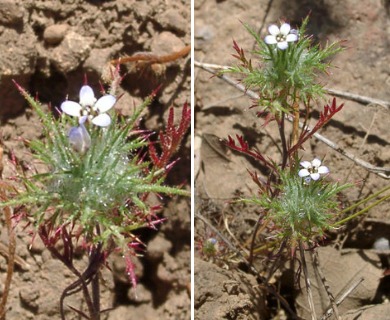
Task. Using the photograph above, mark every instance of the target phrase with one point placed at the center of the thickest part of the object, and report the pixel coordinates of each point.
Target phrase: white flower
(88, 106)
(281, 36)
(312, 170)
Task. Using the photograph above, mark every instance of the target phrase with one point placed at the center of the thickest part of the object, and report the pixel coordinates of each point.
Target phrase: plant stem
(260, 225)
(96, 259)
(78, 285)
(96, 296)
(307, 281)
(280, 122)
(295, 133)
(67, 259)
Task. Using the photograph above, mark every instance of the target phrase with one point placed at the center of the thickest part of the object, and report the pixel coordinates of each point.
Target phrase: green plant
(297, 200)
(100, 171)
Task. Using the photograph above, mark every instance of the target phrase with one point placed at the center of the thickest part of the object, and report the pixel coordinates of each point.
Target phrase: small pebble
(381, 244)
(55, 34)
(173, 20)
(11, 12)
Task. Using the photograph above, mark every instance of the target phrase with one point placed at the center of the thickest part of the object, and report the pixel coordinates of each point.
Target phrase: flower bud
(79, 139)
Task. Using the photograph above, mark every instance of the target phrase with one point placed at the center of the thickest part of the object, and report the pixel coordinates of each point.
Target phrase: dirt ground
(49, 47)
(222, 289)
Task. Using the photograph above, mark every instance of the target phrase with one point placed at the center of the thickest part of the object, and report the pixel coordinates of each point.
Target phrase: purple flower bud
(79, 139)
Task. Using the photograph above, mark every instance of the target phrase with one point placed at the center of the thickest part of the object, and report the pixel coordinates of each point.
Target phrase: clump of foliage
(101, 171)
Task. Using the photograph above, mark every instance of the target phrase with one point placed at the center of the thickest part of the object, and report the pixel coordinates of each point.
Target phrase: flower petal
(102, 120)
(323, 170)
(87, 97)
(316, 163)
(105, 103)
(273, 29)
(306, 164)
(291, 37)
(282, 45)
(213, 241)
(71, 108)
(270, 39)
(315, 176)
(285, 29)
(303, 173)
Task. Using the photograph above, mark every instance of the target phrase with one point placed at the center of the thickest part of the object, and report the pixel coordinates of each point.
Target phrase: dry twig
(358, 98)
(337, 93)
(317, 268)
(307, 282)
(341, 297)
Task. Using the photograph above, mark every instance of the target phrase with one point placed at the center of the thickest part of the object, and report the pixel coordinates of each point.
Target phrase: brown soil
(221, 175)
(48, 47)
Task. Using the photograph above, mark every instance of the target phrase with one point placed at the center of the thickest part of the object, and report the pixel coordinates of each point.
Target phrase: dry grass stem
(337, 93)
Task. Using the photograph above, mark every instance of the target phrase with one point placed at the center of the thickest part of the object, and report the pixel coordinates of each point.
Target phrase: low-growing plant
(296, 198)
(100, 172)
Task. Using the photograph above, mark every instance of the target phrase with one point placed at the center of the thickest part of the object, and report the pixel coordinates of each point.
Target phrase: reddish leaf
(170, 139)
(325, 116)
(243, 147)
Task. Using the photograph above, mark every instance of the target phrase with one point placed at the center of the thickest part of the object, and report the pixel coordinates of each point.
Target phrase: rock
(97, 59)
(119, 269)
(55, 34)
(71, 53)
(142, 10)
(157, 247)
(166, 43)
(237, 295)
(11, 12)
(166, 269)
(126, 105)
(142, 312)
(17, 62)
(173, 20)
(29, 295)
(140, 294)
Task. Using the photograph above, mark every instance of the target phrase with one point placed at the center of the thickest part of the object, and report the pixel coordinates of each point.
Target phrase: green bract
(301, 210)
